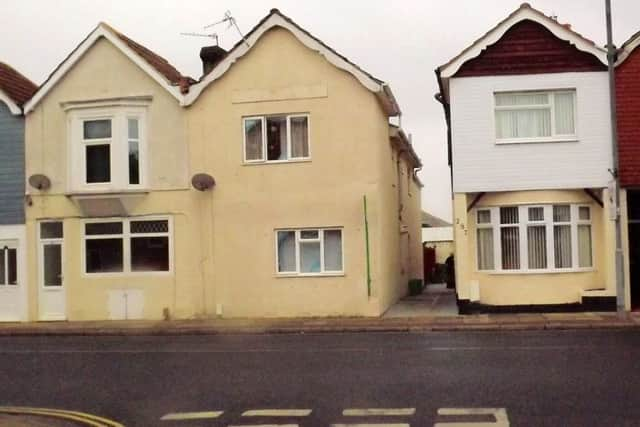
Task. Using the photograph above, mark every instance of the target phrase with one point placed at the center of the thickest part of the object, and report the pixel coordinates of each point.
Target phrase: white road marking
(500, 414)
(371, 425)
(265, 425)
(277, 413)
(364, 412)
(175, 416)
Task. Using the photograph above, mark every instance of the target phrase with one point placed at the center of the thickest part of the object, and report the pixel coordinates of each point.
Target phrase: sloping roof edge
(13, 107)
(397, 134)
(109, 33)
(525, 11)
(276, 19)
(627, 48)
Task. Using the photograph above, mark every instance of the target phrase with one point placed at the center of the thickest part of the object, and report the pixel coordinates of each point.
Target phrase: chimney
(211, 56)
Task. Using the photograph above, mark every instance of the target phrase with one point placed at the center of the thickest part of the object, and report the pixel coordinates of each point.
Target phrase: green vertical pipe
(366, 236)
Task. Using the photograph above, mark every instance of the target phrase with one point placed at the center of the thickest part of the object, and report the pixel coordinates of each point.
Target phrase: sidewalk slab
(327, 325)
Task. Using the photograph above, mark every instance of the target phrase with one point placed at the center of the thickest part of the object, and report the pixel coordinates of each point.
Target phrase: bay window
(127, 245)
(309, 251)
(535, 116)
(276, 138)
(107, 149)
(534, 238)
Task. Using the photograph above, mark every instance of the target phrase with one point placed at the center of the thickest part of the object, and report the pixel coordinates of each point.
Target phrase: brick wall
(628, 106)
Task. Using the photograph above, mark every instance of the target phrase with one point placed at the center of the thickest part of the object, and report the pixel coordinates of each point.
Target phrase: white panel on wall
(482, 165)
(126, 304)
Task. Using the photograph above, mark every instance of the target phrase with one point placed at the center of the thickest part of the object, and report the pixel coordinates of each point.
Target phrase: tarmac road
(520, 378)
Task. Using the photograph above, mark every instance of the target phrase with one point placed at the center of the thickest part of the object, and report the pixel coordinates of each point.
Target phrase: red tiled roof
(15, 85)
(156, 61)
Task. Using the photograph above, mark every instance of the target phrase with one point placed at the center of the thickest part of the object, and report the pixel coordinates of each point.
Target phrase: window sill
(533, 272)
(127, 274)
(90, 192)
(536, 140)
(285, 275)
(276, 162)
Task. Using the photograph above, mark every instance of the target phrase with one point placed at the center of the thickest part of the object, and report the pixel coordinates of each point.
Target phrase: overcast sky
(401, 42)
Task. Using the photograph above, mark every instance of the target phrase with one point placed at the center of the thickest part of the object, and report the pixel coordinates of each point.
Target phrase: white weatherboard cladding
(479, 164)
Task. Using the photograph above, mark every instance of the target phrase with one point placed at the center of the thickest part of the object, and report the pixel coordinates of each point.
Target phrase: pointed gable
(526, 42)
(529, 48)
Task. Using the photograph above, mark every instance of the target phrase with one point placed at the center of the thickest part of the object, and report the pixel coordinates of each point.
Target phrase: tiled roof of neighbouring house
(15, 85)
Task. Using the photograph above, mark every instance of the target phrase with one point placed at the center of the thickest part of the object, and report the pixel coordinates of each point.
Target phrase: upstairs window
(535, 116)
(277, 138)
(107, 148)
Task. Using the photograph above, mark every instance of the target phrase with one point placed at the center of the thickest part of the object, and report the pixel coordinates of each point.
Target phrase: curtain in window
(253, 139)
(523, 120)
(528, 123)
(562, 245)
(485, 249)
(564, 114)
(333, 250)
(310, 257)
(510, 241)
(299, 137)
(584, 246)
(537, 245)
(286, 251)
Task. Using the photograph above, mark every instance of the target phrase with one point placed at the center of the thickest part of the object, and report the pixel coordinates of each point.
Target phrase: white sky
(401, 42)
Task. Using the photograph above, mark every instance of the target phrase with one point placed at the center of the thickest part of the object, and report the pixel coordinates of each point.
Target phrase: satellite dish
(203, 181)
(40, 182)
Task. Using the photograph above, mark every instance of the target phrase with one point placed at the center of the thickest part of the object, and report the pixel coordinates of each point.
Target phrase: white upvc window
(276, 138)
(127, 246)
(107, 149)
(309, 252)
(543, 116)
(534, 238)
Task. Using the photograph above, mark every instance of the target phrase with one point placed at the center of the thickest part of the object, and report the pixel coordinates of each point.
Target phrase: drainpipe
(611, 57)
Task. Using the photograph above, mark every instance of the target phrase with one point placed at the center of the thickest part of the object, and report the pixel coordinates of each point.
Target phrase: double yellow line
(80, 417)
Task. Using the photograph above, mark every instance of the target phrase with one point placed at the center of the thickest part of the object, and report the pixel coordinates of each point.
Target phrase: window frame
(263, 119)
(554, 137)
(523, 225)
(126, 237)
(118, 148)
(320, 238)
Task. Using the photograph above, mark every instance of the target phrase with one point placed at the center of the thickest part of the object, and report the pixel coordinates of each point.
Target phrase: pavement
(501, 378)
(478, 322)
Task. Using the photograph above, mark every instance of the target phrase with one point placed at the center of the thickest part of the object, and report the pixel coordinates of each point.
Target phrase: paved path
(524, 378)
(487, 322)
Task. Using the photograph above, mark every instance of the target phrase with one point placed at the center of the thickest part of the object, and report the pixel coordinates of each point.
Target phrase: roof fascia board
(100, 31)
(494, 35)
(276, 20)
(13, 107)
(627, 50)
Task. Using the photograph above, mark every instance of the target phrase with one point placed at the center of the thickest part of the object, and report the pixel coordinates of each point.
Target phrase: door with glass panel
(11, 301)
(50, 259)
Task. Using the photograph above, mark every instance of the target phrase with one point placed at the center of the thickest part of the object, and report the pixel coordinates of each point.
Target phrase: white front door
(50, 259)
(11, 301)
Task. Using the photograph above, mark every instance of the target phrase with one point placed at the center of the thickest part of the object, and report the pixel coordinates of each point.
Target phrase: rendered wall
(104, 72)
(347, 130)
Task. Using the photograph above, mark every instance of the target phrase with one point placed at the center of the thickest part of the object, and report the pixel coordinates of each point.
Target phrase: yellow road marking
(277, 413)
(175, 416)
(87, 419)
(365, 412)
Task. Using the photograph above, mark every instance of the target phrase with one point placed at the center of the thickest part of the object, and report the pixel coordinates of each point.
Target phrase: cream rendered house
(527, 107)
(240, 195)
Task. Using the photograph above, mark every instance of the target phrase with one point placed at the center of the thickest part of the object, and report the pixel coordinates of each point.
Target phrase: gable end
(529, 48)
